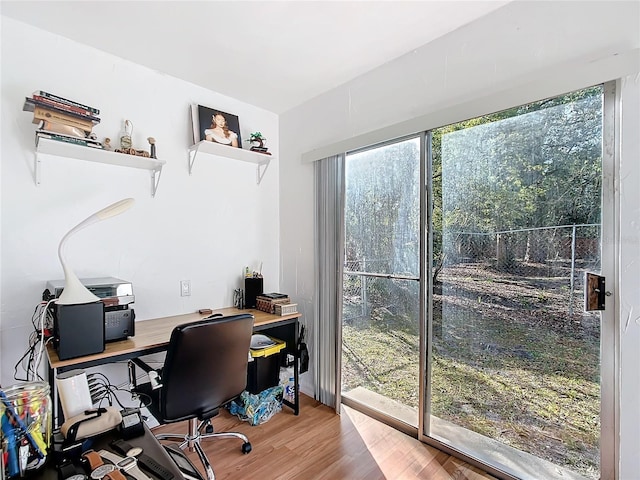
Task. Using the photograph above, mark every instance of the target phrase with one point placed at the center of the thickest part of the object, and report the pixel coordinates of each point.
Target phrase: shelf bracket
(36, 169)
(155, 180)
(260, 175)
(192, 159)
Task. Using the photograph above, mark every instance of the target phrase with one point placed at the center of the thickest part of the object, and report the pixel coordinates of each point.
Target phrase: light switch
(185, 288)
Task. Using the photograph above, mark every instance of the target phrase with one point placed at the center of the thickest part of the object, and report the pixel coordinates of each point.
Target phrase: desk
(152, 336)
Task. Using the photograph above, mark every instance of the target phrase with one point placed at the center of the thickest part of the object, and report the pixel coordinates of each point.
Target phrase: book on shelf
(45, 131)
(84, 142)
(30, 105)
(63, 106)
(54, 127)
(66, 101)
(57, 117)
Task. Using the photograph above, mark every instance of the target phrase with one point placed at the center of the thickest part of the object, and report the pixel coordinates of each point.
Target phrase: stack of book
(62, 119)
(267, 301)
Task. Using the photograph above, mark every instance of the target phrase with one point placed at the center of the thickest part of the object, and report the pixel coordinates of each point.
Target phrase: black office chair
(205, 368)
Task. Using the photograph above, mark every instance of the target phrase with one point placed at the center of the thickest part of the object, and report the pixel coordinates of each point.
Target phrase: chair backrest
(205, 366)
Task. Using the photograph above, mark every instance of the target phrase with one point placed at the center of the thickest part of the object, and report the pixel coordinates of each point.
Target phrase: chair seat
(152, 398)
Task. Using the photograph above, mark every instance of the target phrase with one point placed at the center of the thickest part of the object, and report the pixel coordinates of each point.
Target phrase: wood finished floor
(318, 444)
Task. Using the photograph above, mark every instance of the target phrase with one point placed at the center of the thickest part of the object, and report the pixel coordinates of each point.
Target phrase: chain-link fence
(355, 286)
(558, 255)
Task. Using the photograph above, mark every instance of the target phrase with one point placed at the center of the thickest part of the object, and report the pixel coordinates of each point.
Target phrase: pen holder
(25, 416)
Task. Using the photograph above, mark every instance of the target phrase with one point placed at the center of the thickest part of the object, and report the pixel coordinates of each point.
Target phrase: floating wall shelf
(56, 148)
(261, 160)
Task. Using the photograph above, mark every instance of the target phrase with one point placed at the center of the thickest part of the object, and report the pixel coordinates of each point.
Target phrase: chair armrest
(144, 366)
(154, 376)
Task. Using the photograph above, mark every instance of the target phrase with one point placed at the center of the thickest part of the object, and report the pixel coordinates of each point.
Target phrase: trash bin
(264, 368)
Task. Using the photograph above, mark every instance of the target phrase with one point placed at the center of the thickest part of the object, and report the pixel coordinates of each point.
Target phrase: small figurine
(107, 144)
(152, 142)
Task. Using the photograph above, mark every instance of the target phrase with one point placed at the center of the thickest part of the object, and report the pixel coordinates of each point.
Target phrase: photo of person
(219, 127)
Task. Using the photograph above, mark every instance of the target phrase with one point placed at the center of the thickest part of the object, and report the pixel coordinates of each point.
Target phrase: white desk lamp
(74, 292)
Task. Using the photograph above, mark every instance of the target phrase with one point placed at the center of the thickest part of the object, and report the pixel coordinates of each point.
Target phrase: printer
(117, 297)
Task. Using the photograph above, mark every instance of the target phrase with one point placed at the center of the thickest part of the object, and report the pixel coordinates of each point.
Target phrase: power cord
(42, 323)
(101, 390)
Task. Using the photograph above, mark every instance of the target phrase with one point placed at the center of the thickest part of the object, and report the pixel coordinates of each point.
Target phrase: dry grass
(508, 362)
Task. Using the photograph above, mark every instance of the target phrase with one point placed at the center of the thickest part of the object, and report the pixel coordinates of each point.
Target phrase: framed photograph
(215, 126)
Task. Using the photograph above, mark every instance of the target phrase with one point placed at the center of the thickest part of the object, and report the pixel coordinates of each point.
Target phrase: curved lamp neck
(74, 292)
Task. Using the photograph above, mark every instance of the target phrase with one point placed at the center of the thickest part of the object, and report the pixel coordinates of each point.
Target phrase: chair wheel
(208, 429)
(246, 447)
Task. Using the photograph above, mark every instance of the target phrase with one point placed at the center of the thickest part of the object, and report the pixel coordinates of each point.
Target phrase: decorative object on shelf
(126, 143)
(133, 151)
(107, 144)
(152, 142)
(125, 136)
(215, 126)
(257, 141)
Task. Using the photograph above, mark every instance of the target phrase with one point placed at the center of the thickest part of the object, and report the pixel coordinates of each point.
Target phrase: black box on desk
(252, 288)
(264, 371)
(78, 329)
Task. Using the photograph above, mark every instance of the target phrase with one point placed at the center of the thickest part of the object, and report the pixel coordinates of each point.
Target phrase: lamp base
(78, 329)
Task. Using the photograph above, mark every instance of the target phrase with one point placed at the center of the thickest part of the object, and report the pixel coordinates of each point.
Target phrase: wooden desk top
(155, 333)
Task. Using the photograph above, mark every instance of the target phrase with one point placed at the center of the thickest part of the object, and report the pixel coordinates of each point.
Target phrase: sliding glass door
(512, 364)
(514, 359)
(381, 321)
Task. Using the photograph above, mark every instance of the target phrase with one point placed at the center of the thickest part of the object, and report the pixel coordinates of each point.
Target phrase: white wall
(205, 228)
(522, 52)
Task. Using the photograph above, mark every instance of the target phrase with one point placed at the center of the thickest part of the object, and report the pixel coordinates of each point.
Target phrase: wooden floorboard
(320, 445)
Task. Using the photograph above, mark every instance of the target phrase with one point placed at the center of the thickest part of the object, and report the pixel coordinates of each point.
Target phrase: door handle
(594, 292)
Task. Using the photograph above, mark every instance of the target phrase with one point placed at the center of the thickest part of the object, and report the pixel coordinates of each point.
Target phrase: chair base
(195, 436)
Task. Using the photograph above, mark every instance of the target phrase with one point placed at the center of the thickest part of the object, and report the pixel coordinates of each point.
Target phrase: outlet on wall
(185, 288)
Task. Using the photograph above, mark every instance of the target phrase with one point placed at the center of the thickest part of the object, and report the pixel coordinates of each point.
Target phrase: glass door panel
(514, 360)
(380, 324)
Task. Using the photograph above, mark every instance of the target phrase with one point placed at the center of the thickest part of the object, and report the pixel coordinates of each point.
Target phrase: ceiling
(271, 54)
